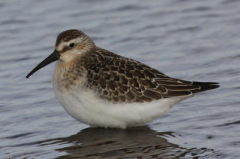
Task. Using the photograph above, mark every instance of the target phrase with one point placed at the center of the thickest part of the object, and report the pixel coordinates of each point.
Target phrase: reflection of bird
(116, 143)
(104, 89)
(137, 142)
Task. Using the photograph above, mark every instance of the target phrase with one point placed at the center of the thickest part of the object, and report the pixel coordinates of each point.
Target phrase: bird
(103, 89)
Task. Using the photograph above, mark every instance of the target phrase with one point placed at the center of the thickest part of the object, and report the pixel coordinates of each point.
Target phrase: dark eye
(71, 45)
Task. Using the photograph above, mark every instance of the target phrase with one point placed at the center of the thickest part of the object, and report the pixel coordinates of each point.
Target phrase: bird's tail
(204, 86)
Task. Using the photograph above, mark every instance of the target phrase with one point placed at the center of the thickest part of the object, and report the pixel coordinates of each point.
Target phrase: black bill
(51, 58)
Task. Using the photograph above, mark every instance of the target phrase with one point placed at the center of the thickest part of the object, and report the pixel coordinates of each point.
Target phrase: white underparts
(84, 106)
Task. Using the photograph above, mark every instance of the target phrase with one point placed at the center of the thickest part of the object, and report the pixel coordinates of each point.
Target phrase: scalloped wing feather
(118, 79)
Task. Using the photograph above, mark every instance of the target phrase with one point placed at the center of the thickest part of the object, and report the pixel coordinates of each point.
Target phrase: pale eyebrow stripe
(62, 45)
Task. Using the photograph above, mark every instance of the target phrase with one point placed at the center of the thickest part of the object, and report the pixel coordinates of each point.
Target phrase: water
(191, 40)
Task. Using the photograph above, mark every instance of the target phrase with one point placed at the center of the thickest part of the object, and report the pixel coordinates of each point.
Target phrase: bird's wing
(118, 79)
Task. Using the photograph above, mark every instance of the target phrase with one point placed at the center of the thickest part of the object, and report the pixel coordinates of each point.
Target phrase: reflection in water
(138, 142)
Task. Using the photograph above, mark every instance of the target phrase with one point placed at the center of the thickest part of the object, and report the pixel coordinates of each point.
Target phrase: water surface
(191, 40)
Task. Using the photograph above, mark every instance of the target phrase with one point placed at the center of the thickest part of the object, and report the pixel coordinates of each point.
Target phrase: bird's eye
(71, 45)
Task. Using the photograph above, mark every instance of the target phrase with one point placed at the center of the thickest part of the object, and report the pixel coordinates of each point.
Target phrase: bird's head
(72, 43)
(69, 45)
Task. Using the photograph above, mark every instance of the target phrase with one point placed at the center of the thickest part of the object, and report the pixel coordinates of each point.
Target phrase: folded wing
(118, 79)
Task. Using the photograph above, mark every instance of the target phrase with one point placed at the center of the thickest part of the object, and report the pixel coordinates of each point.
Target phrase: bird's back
(122, 80)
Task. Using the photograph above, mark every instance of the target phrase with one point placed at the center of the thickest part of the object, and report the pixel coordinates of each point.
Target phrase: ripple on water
(192, 40)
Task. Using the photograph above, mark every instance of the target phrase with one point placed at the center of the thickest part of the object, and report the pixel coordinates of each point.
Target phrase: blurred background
(191, 40)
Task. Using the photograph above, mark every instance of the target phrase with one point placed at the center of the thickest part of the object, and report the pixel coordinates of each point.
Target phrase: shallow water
(191, 40)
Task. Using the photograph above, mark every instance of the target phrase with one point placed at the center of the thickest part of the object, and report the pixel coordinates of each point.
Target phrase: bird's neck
(68, 76)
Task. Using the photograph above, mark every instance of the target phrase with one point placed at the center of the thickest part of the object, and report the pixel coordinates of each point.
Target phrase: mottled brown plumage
(100, 88)
(122, 80)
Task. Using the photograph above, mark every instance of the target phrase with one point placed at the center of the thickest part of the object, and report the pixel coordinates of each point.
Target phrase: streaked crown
(69, 35)
(73, 42)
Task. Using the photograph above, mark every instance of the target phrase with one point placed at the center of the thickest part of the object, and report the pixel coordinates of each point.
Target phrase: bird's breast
(67, 78)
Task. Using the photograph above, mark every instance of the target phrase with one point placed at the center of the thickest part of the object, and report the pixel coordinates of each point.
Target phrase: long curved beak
(51, 58)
